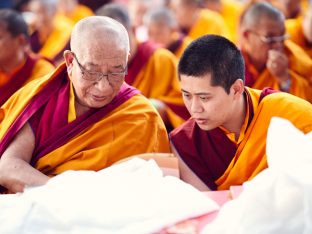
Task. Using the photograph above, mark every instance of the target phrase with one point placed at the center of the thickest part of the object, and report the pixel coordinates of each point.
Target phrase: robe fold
(127, 126)
(153, 71)
(33, 68)
(217, 160)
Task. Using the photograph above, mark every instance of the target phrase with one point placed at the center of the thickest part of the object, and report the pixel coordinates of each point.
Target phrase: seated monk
(230, 10)
(300, 31)
(271, 60)
(195, 21)
(51, 30)
(17, 66)
(152, 70)
(163, 29)
(73, 10)
(81, 117)
(224, 142)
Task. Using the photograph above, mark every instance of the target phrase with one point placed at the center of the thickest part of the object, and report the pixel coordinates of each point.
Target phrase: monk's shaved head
(97, 31)
(256, 12)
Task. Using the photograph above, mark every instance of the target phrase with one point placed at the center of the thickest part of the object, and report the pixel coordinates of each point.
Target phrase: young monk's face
(9, 45)
(210, 106)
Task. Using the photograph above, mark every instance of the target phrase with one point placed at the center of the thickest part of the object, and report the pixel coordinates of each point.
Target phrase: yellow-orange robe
(294, 29)
(80, 12)
(58, 40)
(218, 160)
(130, 128)
(32, 68)
(178, 46)
(158, 79)
(208, 22)
(299, 66)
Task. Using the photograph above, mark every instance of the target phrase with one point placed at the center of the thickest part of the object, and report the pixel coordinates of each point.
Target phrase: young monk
(223, 144)
(17, 65)
(152, 70)
(81, 117)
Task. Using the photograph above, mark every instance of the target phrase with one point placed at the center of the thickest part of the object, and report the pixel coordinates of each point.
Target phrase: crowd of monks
(34, 34)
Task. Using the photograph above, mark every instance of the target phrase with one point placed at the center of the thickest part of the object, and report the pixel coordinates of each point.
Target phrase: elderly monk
(230, 10)
(51, 31)
(223, 144)
(153, 71)
(195, 21)
(271, 60)
(17, 66)
(82, 117)
(163, 29)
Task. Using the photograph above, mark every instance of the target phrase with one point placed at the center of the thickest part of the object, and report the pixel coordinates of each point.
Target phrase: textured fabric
(93, 141)
(232, 164)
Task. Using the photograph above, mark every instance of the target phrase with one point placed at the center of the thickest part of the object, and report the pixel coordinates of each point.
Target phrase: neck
(80, 109)
(238, 117)
(9, 65)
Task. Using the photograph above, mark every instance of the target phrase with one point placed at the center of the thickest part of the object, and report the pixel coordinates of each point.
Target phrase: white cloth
(279, 199)
(131, 197)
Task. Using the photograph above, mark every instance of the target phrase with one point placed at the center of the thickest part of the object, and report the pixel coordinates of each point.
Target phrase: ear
(69, 59)
(22, 40)
(238, 88)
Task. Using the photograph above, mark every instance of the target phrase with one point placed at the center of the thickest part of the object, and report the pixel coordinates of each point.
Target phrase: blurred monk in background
(73, 10)
(271, 59)
(17, 65)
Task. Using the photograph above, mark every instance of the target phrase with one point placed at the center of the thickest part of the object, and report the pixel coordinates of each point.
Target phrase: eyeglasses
(271, 40)
(113, 77)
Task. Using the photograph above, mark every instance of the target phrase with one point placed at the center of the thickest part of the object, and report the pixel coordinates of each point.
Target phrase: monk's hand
(277, 64)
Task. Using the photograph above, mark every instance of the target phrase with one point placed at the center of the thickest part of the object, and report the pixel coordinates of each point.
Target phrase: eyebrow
(200, 93)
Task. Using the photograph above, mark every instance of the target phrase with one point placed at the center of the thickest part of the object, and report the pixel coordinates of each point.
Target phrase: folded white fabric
(131, 197)
(279, 199)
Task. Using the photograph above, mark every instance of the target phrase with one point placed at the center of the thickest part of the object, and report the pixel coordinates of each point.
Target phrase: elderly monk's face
(257, 40)
(210, 106)
(97, 72)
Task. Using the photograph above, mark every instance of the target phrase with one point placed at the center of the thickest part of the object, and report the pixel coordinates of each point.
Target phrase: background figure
(17, 65)
(278, 63)
(81, 117)
(152, 70)
(195, 21)
(163, 29)
(73, 10)
(49, 28)
(224, 143)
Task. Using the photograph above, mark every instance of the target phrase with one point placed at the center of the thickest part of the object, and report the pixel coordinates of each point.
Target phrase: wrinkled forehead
(270, 26)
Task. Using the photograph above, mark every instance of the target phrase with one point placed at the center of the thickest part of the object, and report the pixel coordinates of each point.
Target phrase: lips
(99, 98)
(200, 121)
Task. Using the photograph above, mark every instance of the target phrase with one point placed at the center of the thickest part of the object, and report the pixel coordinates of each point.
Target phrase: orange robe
(299, 69)
(155, 75)
(58, 40)
(208, 22)
(218, 160)
(33, 68)
(80, 12)
(109, 134)
(294, 29)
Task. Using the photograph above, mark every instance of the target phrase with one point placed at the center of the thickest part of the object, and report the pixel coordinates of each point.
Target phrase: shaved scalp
(161, 16)
(50, 6)
(254, 13)
(99, 29)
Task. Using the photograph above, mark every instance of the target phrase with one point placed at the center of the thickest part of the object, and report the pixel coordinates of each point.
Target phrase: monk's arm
(15, 170)
(187, 175)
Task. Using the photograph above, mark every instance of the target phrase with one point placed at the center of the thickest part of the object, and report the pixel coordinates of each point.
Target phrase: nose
(103, 84)
(278, 45)
(196, 106)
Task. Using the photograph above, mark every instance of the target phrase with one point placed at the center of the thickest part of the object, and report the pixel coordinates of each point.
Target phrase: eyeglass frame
(100, 75)
(271, 40)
